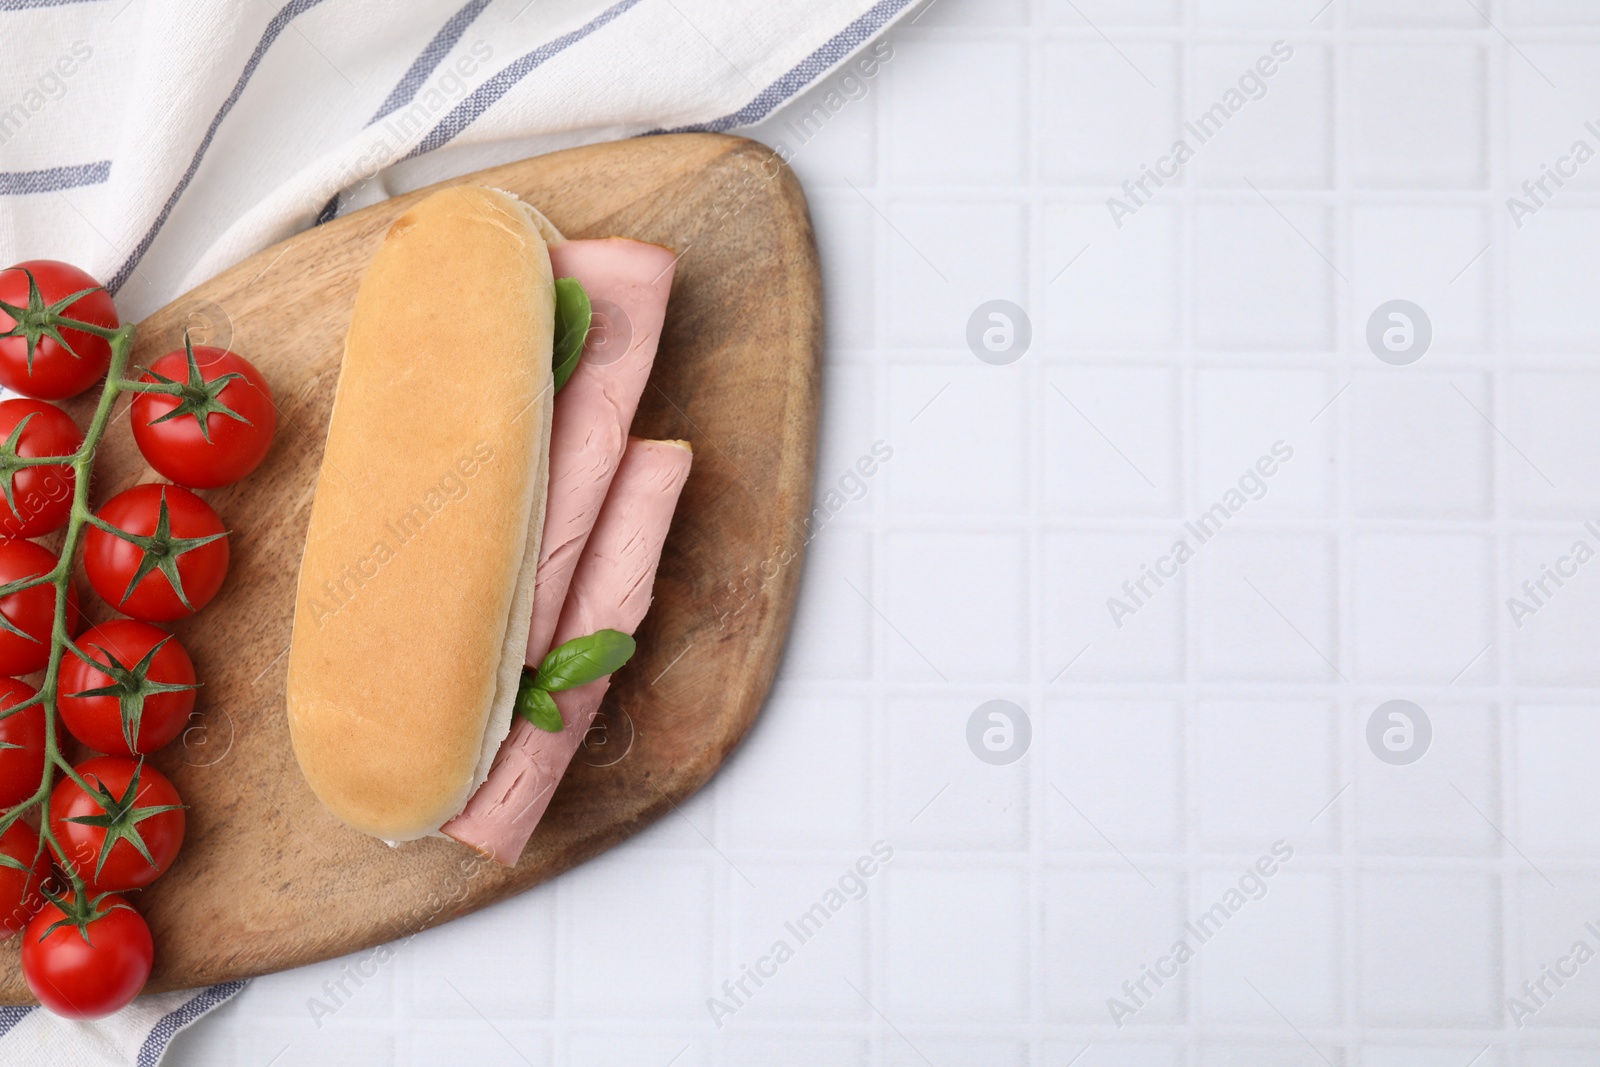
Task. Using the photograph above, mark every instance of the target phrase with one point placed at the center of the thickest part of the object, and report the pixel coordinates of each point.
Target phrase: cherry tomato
(31, 610)
(132, 802)
(152, 674)
(179, 537)
(21, 892)
(55, 373)
(40, 498)
(218, 431)
(88, 971)
(21, 744)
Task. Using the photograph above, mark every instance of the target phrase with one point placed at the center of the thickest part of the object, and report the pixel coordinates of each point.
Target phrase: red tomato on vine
(217, 429)
(53, 363)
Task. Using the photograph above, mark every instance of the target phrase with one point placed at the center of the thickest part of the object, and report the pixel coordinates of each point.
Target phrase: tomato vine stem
(82, 464)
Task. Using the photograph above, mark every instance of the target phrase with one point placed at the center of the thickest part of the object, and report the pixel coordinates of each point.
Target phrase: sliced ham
(611, 588)
(627, 282)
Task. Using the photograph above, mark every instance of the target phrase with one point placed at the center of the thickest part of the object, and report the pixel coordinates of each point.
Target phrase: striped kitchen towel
(138, 1034)
(156, 142)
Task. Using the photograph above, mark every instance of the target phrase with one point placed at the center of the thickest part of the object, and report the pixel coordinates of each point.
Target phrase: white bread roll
(417, 579)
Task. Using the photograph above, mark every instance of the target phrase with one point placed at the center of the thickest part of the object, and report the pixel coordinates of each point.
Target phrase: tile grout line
(1035, 455)
(1346, 750)
(1497, 144)
(873, 1030)
(1188, 466)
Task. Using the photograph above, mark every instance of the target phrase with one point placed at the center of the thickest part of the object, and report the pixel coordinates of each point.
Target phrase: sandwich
(485, 534)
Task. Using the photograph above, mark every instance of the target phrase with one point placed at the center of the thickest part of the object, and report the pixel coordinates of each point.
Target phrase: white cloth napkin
(138, 1034)
(156, 142)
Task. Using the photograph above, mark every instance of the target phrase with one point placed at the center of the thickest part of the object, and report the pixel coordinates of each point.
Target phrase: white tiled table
(1229, 711)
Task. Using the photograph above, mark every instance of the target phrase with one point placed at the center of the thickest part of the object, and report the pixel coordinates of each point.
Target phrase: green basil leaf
(573, 315)
(536, 705)
(584, 659)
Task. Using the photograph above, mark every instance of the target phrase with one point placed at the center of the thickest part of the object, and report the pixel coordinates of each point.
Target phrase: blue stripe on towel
(484, 96)
(836, 48)
(431, 56)
(165, 1029)
(275, 28)
(161, 1035)
(24, 182)
(28, 5)
(10, 1017)
(421, 69)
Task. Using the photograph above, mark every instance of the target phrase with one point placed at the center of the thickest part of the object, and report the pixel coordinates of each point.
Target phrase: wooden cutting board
(268, 879)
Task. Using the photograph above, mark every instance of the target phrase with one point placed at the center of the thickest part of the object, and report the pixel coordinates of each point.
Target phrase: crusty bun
(417, 579)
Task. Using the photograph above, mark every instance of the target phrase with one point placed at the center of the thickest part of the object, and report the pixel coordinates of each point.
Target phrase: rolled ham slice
(628, 283)
(611, 588)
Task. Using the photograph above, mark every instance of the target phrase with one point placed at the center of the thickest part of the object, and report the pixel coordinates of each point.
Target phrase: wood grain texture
(268, 879)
